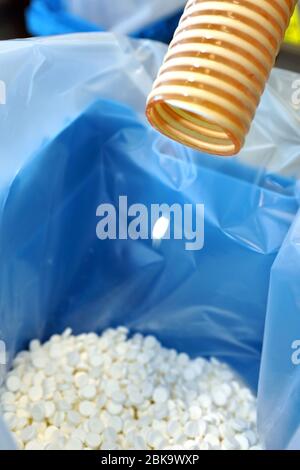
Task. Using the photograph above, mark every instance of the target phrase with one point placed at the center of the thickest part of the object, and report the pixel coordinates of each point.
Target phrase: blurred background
(12, 25)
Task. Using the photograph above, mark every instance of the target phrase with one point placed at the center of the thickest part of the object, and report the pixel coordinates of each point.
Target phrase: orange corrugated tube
(215, 71)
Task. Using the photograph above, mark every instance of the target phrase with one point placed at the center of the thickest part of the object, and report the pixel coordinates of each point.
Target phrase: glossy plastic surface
(76, 104)
(152, 19)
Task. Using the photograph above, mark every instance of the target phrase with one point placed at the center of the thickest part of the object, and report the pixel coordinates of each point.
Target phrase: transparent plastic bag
(123, 17)
(151, 19)
(77, 105)
(6, 441)
(276, 143)
(279, 400)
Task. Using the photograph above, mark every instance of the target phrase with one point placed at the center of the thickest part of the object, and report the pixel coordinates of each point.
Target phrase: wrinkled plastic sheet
(77, 106)
(126, 16)
(150, 19)
(279, 400)
(274, 138)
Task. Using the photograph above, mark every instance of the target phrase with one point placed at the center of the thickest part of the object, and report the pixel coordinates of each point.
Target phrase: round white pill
(114, 408)
(174, 428)
(80, 434)
(189, 374)
(118, 397)
(55, 351)
(154, 439)
(13, 383)
(87, 408)
(205, 401)
(35, 393)
(88, 391)
(195, 412)
(191, 429)
(204, 446)
(116, 423)
(238, 424)
(96, 360)
(53, 446)
(74, 417)
(34, 445)
(49, 409)
(95, 425)
(34, 345)
(7, 398)
(21, 423)
(93, 440)
(212, 440)
(219, 397)
(51, 433)
(38, 412)
(230, 444)
(81, 379)
(139, 443)
(73, 444)
(160, 395)
(39, 361)
(73, 358)
(28, 433)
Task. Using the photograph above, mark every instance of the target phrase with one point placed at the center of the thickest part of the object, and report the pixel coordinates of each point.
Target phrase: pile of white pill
(110, 392)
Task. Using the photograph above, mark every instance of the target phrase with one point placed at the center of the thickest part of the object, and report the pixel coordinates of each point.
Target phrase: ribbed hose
(215, 71)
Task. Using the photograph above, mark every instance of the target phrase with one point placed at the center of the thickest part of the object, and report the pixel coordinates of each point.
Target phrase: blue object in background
(161, 30)
(49, 17)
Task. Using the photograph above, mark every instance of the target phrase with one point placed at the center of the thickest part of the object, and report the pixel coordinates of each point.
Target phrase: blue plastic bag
(82, 142)
(279, 398)
(148, 19)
